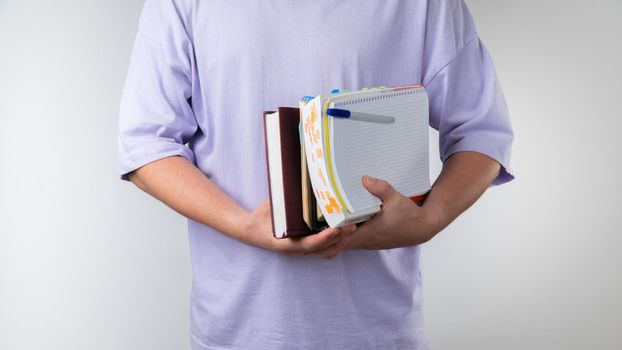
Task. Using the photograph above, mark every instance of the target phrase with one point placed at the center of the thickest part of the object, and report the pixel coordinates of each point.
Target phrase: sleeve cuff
(143, 156)
(500, 154)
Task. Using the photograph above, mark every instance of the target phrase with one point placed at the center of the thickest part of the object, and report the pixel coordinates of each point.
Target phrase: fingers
(331, 251)
(263, 208)
(265, 205)
(379, 188)
(325, 239)
(319, 242)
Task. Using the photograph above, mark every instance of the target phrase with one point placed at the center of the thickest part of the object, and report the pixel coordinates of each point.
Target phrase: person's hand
(326, 244)
(399, 223)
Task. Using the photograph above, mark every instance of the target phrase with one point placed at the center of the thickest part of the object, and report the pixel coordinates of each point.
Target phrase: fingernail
(370, 180)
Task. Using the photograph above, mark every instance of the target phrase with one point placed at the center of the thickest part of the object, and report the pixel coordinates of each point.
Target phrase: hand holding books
(381, 132)
(399, 223)
(325, 244)
(315, 165)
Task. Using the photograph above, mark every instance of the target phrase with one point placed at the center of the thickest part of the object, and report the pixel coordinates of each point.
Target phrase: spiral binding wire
(417, 90)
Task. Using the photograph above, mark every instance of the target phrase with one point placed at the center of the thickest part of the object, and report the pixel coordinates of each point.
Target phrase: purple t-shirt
(201, 74)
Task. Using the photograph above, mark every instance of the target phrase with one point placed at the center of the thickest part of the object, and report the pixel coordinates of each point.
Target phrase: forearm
(464, 178)
(179, 184)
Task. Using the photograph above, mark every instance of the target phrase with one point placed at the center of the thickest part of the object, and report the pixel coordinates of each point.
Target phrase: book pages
(314, 150)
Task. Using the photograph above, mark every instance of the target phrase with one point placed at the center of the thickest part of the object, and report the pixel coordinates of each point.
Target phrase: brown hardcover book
(284, 172)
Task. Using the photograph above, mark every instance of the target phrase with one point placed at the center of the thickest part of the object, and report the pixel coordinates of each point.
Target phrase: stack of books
(318, 153)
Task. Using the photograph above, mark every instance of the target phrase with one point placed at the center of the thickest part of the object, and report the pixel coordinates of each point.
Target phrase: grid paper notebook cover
(340, 151)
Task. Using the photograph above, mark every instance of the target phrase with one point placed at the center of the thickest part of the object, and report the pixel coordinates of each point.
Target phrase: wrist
(251, 230)
(428, 221)
(244, 224)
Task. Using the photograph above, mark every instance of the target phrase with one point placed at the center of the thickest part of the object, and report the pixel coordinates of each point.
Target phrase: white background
(89, 262)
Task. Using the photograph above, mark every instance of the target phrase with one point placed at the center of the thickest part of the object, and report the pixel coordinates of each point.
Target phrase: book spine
(289, 118)
(265, 133)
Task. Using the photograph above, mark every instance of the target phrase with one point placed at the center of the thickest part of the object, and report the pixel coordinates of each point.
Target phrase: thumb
(379, 188)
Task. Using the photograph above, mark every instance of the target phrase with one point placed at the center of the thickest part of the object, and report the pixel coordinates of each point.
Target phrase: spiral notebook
(340, 151)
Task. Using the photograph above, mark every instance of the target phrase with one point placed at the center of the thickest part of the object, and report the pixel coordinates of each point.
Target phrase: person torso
(255, 55)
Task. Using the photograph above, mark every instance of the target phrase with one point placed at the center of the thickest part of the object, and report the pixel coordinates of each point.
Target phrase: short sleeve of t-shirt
(156, 119)
(467, 105)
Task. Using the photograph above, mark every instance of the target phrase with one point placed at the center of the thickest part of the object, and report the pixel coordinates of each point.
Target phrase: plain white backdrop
(89, 262)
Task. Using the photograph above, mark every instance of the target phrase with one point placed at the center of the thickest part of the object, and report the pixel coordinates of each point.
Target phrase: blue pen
(365, 117)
